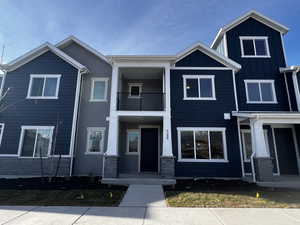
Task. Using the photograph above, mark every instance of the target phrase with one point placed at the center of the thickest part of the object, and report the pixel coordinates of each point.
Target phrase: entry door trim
(158, 141)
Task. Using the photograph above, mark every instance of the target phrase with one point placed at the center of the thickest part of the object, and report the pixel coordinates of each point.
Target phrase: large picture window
(254, 47)
(43, 86)
(202, 144)
(35, 141)
(260, 91)
(199, 87)
(95, 140)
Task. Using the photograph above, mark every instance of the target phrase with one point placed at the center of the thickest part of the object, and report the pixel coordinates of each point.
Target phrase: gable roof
(27, 57)
(211, 53)
(72, 38)
(251, 14)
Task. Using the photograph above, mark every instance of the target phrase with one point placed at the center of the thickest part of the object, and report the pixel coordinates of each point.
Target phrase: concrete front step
(142, 181)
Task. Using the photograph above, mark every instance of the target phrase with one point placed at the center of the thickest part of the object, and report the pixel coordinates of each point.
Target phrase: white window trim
(23, 128)
(243, 131)
(58, 76)
(95, 79)
(259, 86)
(199, 77)
(89, 130)
(253, 38)
(221, 129)
(140, 85)
(2, 130)
(127, 141)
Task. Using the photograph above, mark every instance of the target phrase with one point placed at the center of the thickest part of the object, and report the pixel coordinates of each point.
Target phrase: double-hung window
(99, 89)
(254, 47)
(135, 90)
(95, 140)
(43, 86)
(260, 91)
(199, 87)
(35, 141)
(202, 144)
(133, 137)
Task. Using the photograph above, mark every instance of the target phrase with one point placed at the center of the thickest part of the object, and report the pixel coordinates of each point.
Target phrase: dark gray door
(286, 151)
(149, 150)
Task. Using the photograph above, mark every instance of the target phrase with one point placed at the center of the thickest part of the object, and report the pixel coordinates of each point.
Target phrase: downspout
(75, 116)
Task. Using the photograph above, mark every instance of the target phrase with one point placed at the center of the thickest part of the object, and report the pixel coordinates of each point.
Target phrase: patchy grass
(76, 197)
(230, 194)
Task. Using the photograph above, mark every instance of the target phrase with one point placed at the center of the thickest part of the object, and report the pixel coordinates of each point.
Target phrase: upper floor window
(199, 87)
(202, 144)
(254, 47)
(35, 141)
(99, 89)
(135, 90)
(95, 140)
(260, 91)
(43, 86)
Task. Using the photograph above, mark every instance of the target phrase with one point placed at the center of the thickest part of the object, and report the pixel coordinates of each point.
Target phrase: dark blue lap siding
(197, 113)
(42, 112)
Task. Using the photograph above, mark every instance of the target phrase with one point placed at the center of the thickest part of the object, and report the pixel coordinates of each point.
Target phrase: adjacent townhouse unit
(226, 111)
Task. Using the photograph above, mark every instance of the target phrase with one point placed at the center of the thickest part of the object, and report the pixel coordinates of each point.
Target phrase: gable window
(1, 131)
(202, 144)
(133, 139)
(95, 140)
(35, 141)
(199, 87)
(135, 90)
(260, 91)
(247, 143)
(99, 89)
(43, 86)
(254, 46)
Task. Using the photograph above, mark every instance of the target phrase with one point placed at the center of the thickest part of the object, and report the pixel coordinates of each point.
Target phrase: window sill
(204, 160)
(96, 100)
(30, 157)
(41, 97)
(256, 56)
(93, 153)
(201, 99)
(249, 102)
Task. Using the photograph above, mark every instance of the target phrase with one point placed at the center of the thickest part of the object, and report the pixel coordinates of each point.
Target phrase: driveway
(25, 215)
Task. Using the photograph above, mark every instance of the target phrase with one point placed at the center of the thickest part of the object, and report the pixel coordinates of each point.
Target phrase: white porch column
(167, 134)
(258, 139)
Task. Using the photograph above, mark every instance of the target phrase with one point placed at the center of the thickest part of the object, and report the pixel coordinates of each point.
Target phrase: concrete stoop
(140, 181)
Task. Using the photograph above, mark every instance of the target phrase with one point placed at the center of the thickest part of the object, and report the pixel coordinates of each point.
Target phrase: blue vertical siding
(258, 68)
(197, 113)
(40, 112)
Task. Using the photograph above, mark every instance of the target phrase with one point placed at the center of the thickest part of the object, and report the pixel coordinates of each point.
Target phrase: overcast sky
(134, 26)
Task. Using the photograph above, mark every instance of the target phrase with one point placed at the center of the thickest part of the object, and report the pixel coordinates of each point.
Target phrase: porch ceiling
(140, 119)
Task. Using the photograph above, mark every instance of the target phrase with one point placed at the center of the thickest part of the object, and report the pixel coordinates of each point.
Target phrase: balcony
(145, 101)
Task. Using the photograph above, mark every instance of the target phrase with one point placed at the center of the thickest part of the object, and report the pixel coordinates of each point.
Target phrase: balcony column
(262, 162)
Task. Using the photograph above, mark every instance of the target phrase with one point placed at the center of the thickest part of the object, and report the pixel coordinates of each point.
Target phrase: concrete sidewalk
(29, 215)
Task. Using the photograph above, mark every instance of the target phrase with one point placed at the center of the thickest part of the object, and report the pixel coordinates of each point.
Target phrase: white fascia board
(210, 52)
(138, 58)
(272, 115)
(72, 38)
(27, 57)
(255, 15)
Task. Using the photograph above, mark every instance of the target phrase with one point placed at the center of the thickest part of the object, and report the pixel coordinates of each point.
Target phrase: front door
(286, 152)
(149, 150)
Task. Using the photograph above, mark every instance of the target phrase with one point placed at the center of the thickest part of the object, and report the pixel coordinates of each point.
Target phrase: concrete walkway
(29, 215)
(144, 196)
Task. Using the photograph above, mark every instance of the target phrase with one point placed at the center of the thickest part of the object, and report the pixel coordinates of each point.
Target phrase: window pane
(99, 90)
(248, 47)
(253, 92)
(202, 149)
(42, 142)
(266, 92)
(261, 48)
(216, 145)
(187, 144)
(95, 138)
(206, 88)
(248, 145)
(37, 87)
(135, 90)
(50, 87)
(133, 141)
(28, 143)
(192, 89)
